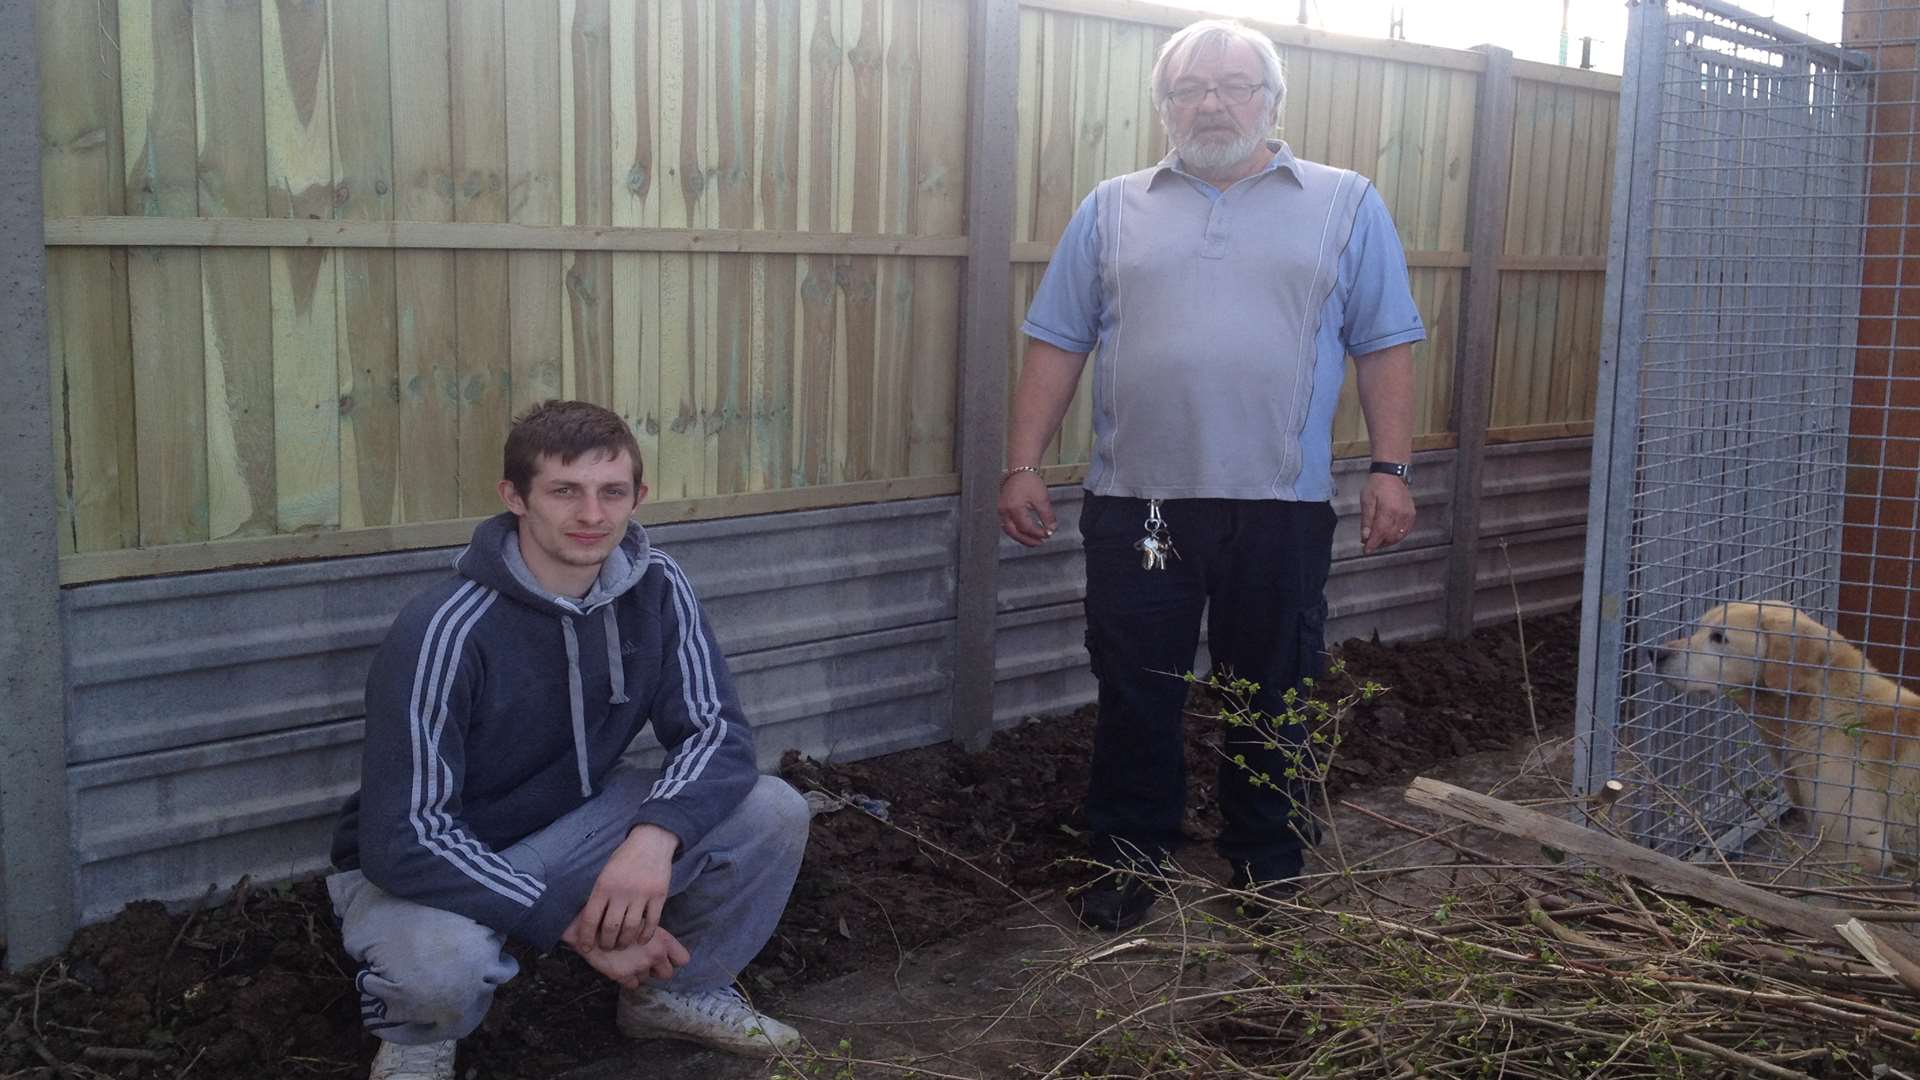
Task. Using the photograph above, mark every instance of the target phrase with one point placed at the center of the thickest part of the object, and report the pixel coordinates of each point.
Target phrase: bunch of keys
(1158, 543)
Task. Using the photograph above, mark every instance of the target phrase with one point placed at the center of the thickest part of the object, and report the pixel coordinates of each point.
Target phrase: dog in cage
(1845, 737)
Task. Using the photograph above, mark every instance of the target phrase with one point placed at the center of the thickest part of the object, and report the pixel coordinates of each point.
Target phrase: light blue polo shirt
(1220, 323)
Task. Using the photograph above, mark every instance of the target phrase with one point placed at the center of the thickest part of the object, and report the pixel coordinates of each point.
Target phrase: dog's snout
(1659, 654)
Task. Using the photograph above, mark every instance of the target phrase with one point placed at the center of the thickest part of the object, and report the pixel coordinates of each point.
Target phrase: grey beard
(1212, 157)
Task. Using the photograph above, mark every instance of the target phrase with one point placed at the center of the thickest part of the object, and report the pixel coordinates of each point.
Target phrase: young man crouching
(494, 802)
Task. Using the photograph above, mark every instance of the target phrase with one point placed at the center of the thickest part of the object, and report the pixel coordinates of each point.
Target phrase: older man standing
(1220, 291)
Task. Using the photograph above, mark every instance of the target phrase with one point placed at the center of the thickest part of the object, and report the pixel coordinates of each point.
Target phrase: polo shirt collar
(1282, 159)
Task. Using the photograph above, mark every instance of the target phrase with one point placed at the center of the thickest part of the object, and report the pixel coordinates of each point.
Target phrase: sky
(1530, 28)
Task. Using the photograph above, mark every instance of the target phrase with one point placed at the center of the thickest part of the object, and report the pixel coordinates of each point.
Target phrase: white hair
(1189, 39)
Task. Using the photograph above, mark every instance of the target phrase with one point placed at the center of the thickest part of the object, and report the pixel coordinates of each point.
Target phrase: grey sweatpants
(427, 974)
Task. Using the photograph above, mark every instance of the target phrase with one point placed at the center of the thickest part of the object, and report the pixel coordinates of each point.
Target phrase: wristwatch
(1393, 468)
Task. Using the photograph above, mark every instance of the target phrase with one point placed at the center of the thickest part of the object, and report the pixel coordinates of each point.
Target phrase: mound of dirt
(255, 984)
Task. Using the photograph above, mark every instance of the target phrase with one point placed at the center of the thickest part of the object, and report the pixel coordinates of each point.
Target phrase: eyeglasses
(1229, 94)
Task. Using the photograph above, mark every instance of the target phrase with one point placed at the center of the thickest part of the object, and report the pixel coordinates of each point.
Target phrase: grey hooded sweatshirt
(494, 707)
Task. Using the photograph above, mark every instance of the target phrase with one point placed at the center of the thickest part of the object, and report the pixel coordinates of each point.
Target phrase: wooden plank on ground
(1661, 871)
(536, 279)
(306, 381)
(237, 316)
(81, 172)
(368, 340)
(477, 66)
(163, 285)
(424, 290)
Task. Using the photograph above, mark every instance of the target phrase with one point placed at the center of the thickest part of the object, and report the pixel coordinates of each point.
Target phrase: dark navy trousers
(1258, 570)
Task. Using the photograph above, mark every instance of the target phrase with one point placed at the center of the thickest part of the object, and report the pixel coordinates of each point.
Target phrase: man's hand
(1386, 512)
(633, 965)
(1026, 513)
(624, 907)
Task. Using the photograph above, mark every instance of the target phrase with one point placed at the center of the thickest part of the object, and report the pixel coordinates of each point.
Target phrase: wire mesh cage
(1753, 497)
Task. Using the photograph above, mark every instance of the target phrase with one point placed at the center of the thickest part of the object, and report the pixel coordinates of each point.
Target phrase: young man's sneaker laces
(720, 1018)
(428, 1061)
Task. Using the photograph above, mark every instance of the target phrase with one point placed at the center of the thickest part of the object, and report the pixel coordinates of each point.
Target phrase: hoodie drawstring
(616, 669)
(578, 707)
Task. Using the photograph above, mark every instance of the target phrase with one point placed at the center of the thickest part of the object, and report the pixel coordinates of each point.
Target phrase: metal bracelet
(1017, 469)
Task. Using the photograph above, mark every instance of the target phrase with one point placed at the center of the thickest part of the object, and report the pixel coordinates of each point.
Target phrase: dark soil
(255, 984)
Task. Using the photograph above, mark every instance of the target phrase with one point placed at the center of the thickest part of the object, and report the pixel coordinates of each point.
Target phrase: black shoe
(1117, 900)
(1272, 886)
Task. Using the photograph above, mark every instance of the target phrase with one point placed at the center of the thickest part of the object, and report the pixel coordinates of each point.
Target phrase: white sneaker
(720, 1018)
(428, 1061)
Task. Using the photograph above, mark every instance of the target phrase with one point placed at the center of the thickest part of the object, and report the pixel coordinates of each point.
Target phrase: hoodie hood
(493, 559)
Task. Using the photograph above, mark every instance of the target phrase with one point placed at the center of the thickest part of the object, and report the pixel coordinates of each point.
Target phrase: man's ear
(510, 495)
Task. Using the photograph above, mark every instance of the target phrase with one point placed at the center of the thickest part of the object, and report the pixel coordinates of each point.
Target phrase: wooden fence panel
(1547, 352)
(754, 208)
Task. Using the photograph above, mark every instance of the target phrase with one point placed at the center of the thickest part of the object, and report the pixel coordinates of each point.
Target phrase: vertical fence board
(776, 393)
(587, 177)
(163, 284)
(535, 279)
(939, 209)
(477, 66)
(733, 313)
(363, 170)
(424, 291)
(81, 173)
(1433, 159)
(306, 382)
(678, 59)
(237, 326)
(639, 176)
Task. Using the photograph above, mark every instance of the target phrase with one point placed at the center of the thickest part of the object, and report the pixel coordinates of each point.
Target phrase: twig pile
(1518, 971)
